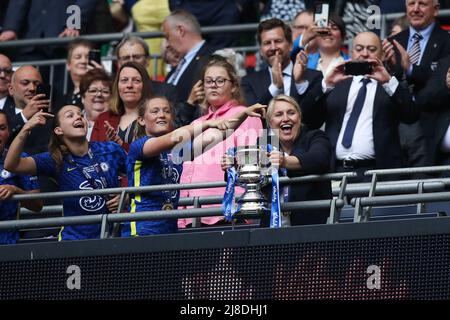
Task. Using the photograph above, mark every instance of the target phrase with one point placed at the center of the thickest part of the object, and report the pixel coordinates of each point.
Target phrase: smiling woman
(74, 163)
(131, 86)
(151, 160)
(302, 152)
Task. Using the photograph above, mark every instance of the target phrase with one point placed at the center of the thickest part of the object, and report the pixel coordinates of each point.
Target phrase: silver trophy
(252, 166)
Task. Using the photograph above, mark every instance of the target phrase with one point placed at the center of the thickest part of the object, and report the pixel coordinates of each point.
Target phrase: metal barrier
(435, 187)
(107, 220)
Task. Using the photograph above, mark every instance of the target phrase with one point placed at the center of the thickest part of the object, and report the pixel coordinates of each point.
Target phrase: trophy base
(252, 210)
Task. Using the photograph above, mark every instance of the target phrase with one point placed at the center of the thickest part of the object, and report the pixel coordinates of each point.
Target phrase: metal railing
(419, 192)
(107, 220)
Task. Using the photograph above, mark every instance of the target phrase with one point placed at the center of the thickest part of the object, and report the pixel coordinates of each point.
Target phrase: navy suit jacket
(435, 97)
(192, 73)
(314, 151)
(387, 113)
(438, 47)
(255, 87)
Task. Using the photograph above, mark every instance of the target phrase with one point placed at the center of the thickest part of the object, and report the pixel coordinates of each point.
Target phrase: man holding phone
(22, 88)
(362, 112)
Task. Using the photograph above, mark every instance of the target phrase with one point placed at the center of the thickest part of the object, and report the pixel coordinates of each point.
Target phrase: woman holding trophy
(301, 152)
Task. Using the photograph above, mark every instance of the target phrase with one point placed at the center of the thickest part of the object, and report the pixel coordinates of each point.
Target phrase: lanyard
(166, 174)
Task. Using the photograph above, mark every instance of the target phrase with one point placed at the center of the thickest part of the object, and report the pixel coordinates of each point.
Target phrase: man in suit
(6, 101)
(362, 113)
(26, 102)
(282, 76)
(435, 97)
(182, 32)
(417, 50)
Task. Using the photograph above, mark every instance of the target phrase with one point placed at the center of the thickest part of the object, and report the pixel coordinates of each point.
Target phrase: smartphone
(43, 88)
(321, 15)
(357, 68)
(94, 55)
(46, 89)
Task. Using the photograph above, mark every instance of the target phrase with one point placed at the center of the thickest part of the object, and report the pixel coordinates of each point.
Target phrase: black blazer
(435, 97)
(255, 87)
(39, 137)
(192, 73)
(438, 47)
(15, 120)
(387, 113)
(314, 151)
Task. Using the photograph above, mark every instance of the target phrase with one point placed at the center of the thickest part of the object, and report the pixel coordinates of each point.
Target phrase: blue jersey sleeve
(136, 149)
(45, 164)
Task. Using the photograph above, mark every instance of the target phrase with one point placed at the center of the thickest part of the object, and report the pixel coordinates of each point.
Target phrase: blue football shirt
(9, 209)
(142, 171)
(111, 159)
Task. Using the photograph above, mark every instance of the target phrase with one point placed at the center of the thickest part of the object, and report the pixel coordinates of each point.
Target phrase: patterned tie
(354, 115)
(414, 52)
(174, 76)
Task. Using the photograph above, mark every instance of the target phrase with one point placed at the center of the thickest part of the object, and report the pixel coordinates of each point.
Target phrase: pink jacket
(206, 167)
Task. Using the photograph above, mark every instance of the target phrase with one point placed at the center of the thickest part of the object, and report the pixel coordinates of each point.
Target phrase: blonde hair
(281, 97)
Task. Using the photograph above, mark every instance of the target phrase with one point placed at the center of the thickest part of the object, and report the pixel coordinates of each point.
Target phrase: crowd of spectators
(326, 118)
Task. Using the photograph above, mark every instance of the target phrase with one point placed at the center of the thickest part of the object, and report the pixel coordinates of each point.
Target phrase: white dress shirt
(287, 80)
(188, 58)
(362, 144)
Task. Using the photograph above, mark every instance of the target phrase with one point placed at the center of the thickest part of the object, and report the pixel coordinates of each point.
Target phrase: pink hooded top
(206, 167)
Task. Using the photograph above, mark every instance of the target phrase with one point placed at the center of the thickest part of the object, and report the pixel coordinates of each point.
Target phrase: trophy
(252, 166)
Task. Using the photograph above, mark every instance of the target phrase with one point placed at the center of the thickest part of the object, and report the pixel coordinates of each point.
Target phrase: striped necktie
(414, 52)
(174, 76)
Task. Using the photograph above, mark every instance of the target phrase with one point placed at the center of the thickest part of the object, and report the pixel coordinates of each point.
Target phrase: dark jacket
(313, 149)
(255, 88)
(387, 114)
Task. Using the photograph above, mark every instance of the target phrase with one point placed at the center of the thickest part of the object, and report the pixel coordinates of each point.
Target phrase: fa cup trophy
(250, 171)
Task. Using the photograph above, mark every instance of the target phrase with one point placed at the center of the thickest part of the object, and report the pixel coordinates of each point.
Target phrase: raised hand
(405, 62)
(311, 33)
(379, 72)
(35, 104)
(197, 94)
(38, 119)
(111, 134)
(68, 32)
(257, 110)
(300, 66)
(336, 75)
(277, 72)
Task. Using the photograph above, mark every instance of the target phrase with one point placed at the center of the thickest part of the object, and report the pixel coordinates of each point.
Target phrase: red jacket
(99, 130)
(99, 133)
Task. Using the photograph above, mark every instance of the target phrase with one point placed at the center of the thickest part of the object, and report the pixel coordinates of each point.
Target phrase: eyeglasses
(7, 71)
(219, 82)
(95, 91)
(132, 57)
